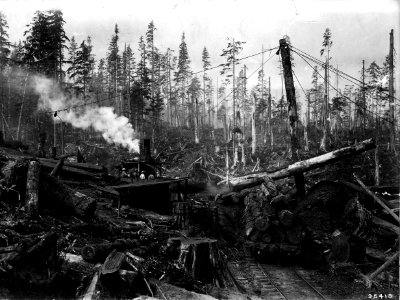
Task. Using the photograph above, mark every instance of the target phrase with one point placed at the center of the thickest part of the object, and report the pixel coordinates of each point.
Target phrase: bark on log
(105, 189)
(82, 166)
(78, 173)
(85, 206)
(59, 198)
(377, 254)
(386, 225)
(302, 166)
(32, 189)
(113, 262)
(90, 293)
(57, 169)
(99, 252)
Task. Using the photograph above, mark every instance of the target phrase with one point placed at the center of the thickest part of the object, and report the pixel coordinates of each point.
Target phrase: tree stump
(32, 189)
(199, 256)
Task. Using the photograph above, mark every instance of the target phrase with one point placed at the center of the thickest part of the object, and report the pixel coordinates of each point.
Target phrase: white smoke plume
(115, 129)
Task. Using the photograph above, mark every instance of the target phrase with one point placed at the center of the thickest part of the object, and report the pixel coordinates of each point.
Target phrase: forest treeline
(157, 88)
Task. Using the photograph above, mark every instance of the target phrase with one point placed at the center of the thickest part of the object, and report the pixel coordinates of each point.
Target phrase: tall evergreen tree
(151, 56)
(81, 69)
(45, 43)
(4, 42)
(374, 87)
(113, 68)
(100, 80)
(207, 88)
(182, 75)
(128, 69)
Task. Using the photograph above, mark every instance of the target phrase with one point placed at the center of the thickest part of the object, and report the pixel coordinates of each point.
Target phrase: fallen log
(113, 262)
(60, 198)
(386, 225)
(84, 205)
(90, 293)
(70, 170)
(377, 199)
(302, 166)
(57, 169)
(105, 189)
(83, 166)
(368, 279)
(377, 254)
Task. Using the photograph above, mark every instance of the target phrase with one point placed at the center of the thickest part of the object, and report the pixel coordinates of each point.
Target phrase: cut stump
(199, 256)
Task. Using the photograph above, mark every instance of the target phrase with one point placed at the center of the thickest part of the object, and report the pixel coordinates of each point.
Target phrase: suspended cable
(344, 96)
(269, 58)
(337, 71)
(305, 94)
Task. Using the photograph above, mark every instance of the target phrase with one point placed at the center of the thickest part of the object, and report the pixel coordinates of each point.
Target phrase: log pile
(271, 225)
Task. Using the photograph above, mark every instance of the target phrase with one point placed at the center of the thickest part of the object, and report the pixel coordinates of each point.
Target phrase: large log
(57, 169)
(386, 225)
(70, 170)
(302, 166)
(82, 166)
(62, 200)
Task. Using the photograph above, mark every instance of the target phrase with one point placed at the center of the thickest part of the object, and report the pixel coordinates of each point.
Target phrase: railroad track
(278, 282)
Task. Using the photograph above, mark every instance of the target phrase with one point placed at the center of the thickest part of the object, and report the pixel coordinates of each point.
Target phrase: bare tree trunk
(292, 111)
(325, 112)
(307, 148)
(22, 106)
(253, 128)
(196, 123)
(225, 129)
(271, 138)
(391, 95)
(377, 173)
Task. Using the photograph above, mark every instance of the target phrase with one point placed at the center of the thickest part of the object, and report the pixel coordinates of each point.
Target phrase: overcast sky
(360, 28)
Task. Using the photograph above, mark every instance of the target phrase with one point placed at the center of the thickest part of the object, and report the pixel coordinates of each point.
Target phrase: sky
(360, 29)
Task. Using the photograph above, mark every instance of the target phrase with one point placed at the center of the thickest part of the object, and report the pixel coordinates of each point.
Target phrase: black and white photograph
(213, 149)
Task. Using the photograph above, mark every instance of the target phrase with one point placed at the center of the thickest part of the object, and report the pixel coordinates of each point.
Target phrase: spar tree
(326, 44)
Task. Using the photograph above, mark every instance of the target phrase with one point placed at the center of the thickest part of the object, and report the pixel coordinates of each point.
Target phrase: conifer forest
(176, 152)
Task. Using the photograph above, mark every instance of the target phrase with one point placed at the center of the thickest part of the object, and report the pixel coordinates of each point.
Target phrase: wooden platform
(148, 194)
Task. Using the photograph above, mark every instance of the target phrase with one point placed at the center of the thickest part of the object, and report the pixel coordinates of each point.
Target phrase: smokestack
(147, 150)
